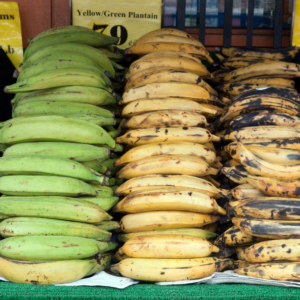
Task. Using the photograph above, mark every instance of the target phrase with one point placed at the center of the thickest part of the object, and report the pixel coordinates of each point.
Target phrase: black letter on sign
(120, 32)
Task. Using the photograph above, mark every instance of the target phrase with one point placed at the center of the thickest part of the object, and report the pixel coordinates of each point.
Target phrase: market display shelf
(13, 291)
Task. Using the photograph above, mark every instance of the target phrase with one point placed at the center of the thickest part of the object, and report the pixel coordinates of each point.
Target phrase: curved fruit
(204, 234)
(154, 47)
(156, 200)
(44, 165)
(233, 237)
(166, 90)
(166, 118)
(237, 174)
(57, 272)
(245, 191)
(108, 225)
(157, 181)
(35, 185)
(54, 208)
(268, 229)
(147, 269)
(54, 128)
(72, 151)
(148, 150)
(156, 135)
(144, 105)
(33, 226)
(179, 246)
(50, 248)
(258, 166)
(167, 164)
(104, 203)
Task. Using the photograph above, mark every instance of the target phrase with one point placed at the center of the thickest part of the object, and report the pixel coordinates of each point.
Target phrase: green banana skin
(104, 203)
(103, 261)
(98, 120)
(99, 58)
(50, 65)
(34, 185)
(59, 108)
(103, 191)
(91, 38)
(44, 165)
(73, 151)
(3, 147)
(50, 248)
(74, 94)
(61, 55)
(59, 29)
(113, 108)
(109, 225)
(117, 66)
(114, 187)
(114, 133)
(13, 227)
(57, 78)
(96, 166)
(55, 128)
(112, 182)
(119, 181)
(52, 207)
(118, 148)
(111, 246)
(81, 94)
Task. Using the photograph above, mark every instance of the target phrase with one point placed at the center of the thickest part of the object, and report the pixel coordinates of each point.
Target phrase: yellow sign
(296, 24)
(127, 20)
(10, 32)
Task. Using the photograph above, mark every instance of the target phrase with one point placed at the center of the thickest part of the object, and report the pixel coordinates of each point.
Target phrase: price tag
(128, 20)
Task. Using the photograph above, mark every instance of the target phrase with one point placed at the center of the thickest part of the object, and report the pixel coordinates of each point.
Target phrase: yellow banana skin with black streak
(146, 48)
(166, 118)
(31, 226)
(50, 248)
(62, 208)
(162, 134)
(268, 229)
(234, 237)
(258, 166)
(272, 208)
(175, 200)
(237, 174)
(272, 251)
(287, 271)
(148, 269)
(245, 191)
(167, 89)
(204, 234)
(167, 164)
(276, 187)
(144, 105)
(179, 246)
(285, 54)
(149, 221)
(54, 128)
(272, 69)
(183, 148)
(157, 181)
(45, 272)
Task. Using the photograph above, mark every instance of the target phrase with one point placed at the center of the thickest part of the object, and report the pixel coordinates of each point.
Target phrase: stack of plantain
(260, 131)
(56, 156)
(169, 156)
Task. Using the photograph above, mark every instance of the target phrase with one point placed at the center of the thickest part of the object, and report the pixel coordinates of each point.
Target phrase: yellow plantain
(163, 46)
(148, 221)
(183, 148)
(156, 135)
(245, 191)
(166, 118)
(255, 165)
(147, 105)
(160, 199)
(237, 174)
(184, 182)
(179, 246)
(167, 164)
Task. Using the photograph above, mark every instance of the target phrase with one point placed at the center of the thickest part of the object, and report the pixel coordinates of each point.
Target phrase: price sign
(127, 21)
(296, 24)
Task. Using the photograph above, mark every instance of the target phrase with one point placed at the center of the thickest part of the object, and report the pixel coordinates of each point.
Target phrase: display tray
(13, 291)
